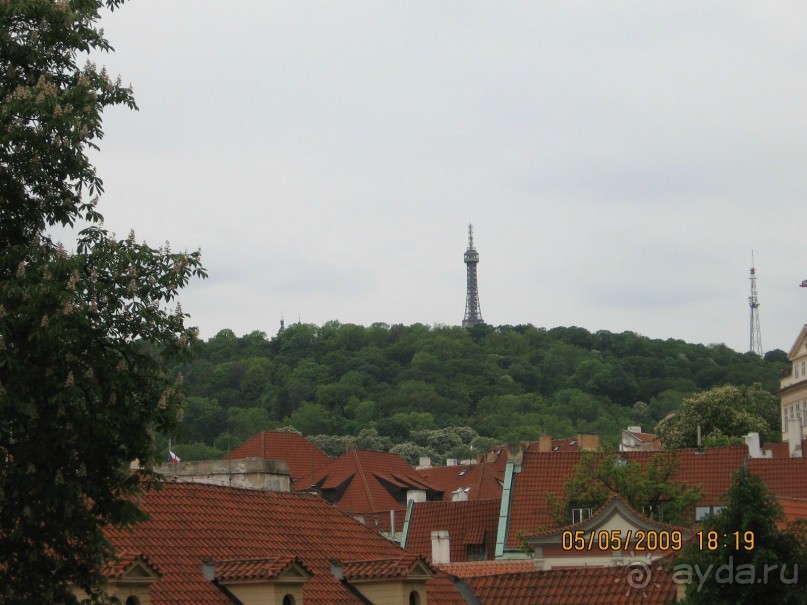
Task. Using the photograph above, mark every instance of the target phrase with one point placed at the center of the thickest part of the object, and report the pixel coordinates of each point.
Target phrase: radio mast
(753, 302)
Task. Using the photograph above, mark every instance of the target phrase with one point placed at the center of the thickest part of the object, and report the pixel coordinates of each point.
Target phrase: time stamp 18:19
(654, 540)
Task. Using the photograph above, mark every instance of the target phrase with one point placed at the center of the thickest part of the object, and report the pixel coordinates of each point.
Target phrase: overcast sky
(619, 160)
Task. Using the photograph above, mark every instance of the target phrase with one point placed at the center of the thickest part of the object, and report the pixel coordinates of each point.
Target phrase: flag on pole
(172, 457)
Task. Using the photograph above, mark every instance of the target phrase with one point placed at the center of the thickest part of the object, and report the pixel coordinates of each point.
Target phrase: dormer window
(580, 514)
(654, 512)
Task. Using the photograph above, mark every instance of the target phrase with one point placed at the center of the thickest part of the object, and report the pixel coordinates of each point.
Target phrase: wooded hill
(506, 383)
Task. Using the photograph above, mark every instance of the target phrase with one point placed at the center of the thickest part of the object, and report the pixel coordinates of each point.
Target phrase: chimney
(451, 462)
(545, 443)
(441, 552)
(209, 570)
(634, 429)
(588, 442)
(794, 438)
(459, 496)
(424, 462)
(417, 495)
(516, 454)
(752, 441)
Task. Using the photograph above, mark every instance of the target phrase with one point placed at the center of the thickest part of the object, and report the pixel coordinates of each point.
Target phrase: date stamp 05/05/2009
(653, 540)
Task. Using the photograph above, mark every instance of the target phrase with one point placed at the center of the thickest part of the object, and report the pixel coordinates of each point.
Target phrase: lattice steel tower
(753, 302)
(473, 314)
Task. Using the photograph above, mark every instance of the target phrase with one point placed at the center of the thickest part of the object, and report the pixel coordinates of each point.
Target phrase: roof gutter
(405, 532)
(504, 511)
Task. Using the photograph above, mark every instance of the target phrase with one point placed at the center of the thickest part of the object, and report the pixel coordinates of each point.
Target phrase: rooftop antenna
(473, 314)
(753, 302)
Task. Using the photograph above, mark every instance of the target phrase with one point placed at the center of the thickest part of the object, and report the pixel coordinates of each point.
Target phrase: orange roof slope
(480, 481)
(190, 523)
(475, 569)
(295, 450)
(472, 522)
(546, 472)
(785, 477)
(360, 482)
(794, 510)
(580, 586)
(440, 590)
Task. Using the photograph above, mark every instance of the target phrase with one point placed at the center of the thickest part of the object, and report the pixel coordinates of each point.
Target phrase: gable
(615, 516)
(141, 572)
(799, 347)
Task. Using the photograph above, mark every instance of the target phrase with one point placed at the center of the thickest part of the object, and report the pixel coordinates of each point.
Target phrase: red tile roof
(472, 522)
(794, 509)
(295, 450)
(475, 569)
(468, 523)
(564, 444)
(785, 477)
(546, 472)
(482, 481)
(190, 523)
(362, 482)
(580, 586)
(782, 449)
(126, 559)
(254, 569)
(398, 567)
(440, 590)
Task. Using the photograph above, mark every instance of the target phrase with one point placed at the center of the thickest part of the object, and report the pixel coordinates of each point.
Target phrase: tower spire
(473, 314)
(753, 302)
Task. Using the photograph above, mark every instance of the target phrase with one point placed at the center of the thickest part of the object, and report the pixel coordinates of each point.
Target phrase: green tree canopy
(84, 335)
(649, 488)
(725, 414)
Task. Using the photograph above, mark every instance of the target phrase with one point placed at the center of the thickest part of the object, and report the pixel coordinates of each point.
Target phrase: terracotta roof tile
(484, 479)
(794, 509)
(126, 559)
(545, 473)
(252, 569)
(398, 567)
(362, 481)
(295, 450)
(190, 523)
(785, 477)
(581, 586)
(782, 449)
(440, 590)
(475, 569)
(468, 523)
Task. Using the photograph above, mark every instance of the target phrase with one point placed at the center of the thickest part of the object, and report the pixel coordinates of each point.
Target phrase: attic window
(556, 448)
(572, 442)
(476, 552)
(463, 472)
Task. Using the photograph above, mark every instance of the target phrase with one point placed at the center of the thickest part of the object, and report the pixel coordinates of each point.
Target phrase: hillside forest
(444, 391)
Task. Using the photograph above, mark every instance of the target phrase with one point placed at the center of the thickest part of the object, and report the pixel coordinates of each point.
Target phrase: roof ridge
(479, 482)
(364, 480)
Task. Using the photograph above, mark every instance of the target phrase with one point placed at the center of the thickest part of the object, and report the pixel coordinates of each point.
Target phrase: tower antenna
(753, 302)
(473, 314)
